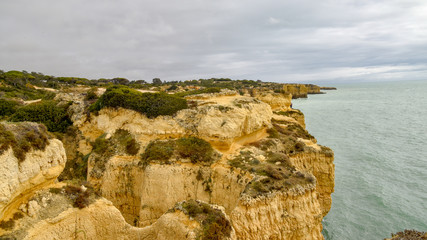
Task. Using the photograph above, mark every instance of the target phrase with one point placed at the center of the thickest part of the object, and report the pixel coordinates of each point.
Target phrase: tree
(121, 81)
(157, 81)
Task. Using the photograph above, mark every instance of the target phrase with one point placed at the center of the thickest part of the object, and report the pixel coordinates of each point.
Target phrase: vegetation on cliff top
(22, 138)
(193, 148)
(54, 117)
(81, 195)
(7, 108)
(150, 104)
(121, 142)
(276, 173)
(213, 222)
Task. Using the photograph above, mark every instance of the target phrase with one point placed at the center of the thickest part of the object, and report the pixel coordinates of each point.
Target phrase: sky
(271, 40)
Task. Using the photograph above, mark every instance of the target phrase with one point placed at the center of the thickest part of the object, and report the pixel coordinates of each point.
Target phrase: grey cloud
(271, 40)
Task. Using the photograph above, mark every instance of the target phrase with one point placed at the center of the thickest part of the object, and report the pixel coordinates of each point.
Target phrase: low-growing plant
(91, 94)
(7, 225)
(198, 150)
(125, 139)
(7, 108)
(100, 145)
(159, 150)
(23, 138)
(276, 173)
(150, 104)
(54, 117)
(213, 222)
(200, 91)
(81, 197)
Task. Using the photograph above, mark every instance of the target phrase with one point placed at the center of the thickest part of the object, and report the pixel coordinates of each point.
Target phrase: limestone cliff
(101, 220)
(33, 206)
(271, 177)
(277, 101)
(19, 179)
(301, 90)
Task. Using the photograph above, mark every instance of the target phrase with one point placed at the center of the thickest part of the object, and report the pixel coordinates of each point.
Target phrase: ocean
(378, 132)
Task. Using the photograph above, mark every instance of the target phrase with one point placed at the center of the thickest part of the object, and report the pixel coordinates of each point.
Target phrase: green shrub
(7, 108)
(198, 150)
(23, 138)
(159, 150)
(200, 91)
(126, 140)
(91, 94)
(150, 104)
(213, 222)
(54, 117)
(100, 145)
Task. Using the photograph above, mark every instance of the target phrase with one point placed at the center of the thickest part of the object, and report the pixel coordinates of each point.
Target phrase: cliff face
(34, 206)
(101, 220)
(280, 189)
(19, 179)
(292, 215)
(301, 90)
(220, 122)
(320, 164)
(277, 101)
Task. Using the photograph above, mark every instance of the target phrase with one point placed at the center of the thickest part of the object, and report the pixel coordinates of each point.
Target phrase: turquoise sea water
(378, 132)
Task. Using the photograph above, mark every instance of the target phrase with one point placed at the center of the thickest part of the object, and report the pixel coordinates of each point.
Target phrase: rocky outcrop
(265, 178)
(320, 164)
(277, 101)
(297, 90)
(290, 215)
(20, 179)
(221, 122)
(301, 90)
(101, 220)
(235, 126)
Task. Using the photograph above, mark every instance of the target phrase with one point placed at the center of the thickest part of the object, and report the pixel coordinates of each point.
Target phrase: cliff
(238, 128)
(302, 90)
(20, 177)
(227, 167)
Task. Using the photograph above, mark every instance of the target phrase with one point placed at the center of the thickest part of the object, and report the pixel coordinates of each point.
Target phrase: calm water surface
(378, 132)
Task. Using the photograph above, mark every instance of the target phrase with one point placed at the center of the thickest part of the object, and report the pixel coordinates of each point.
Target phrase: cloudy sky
(271, 40)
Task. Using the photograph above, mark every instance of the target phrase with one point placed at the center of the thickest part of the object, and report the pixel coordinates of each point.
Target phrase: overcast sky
(271, 40)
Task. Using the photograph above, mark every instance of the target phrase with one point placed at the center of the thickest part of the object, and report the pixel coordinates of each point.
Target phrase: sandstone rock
(18, 180)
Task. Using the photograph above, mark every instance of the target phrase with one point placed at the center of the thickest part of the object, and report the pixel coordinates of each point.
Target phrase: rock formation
(228, 167)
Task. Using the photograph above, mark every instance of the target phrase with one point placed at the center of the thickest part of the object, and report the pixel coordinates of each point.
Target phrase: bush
(100, 145)
(200, 91)
(150, 104)
(54, 117)
(91, 94)
(213, 222)
(126, 140)
(81, 198)
(7, 225)
(198, 150)
(159, 150)
(7, 108)
(23, 138)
